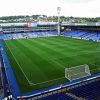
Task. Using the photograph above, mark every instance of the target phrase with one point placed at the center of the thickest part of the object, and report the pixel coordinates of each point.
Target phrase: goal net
(77, 72)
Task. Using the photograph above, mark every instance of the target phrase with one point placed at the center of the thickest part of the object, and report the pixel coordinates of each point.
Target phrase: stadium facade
(86, 31)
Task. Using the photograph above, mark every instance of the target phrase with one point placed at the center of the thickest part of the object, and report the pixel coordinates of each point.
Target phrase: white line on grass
(30, 83)
(48, 81)
(19, 65)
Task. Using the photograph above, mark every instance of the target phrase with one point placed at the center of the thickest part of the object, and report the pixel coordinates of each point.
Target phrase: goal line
(47, 81)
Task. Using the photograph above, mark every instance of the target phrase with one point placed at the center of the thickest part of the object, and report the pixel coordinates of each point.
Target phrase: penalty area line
(47, 81)
(29, 82)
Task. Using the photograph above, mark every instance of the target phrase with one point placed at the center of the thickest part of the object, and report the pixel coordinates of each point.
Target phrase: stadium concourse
(41, 37)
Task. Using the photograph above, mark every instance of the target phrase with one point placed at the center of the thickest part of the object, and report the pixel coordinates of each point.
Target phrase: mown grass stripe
(45, 59)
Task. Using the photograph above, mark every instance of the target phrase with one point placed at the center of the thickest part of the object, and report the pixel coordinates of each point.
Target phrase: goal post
(77, 72)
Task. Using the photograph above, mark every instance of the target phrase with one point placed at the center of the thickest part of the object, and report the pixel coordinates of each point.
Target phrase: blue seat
(91, 90)
(57, 96)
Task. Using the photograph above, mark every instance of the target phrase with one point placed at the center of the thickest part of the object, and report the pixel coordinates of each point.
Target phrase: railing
(61, 89)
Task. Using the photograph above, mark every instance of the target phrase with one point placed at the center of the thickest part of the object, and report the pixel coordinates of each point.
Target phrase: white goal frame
(77, 72)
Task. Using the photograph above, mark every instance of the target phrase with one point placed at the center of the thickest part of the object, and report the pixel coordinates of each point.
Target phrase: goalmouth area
(41, 62)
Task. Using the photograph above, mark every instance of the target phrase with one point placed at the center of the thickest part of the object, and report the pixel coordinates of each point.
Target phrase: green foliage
(50, 18)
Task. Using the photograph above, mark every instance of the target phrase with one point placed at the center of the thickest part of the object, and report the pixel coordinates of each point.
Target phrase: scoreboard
(32, 24)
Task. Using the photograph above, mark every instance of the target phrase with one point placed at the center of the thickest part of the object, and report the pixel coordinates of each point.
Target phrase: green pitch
(41, 62)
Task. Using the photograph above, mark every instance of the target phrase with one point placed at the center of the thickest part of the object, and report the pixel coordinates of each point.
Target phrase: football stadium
(39, 62)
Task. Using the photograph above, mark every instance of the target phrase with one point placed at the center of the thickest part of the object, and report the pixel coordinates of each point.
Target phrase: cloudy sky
(77, 8)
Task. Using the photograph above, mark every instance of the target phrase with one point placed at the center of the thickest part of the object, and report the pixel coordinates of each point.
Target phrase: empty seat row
(27, 35)
(84, 34)
(89, 91)
(58, 96)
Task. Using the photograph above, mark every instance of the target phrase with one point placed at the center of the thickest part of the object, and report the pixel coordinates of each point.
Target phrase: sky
(76, 8)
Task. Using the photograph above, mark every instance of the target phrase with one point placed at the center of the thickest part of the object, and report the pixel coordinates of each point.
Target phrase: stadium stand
(19, 35)
(84, 90)
(1, 87)
(9, 36)
(2, 36)
(28, 35)
(58, 96)
(83, 34)
(14, 36)
(89, 91)
(95, 37)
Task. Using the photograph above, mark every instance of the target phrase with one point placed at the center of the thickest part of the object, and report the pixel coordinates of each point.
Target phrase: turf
(42, 61)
